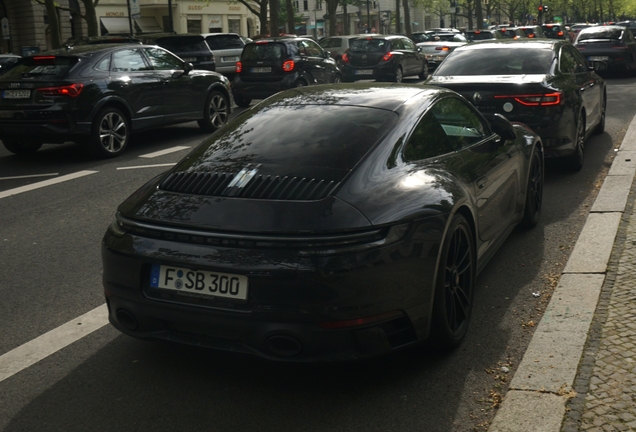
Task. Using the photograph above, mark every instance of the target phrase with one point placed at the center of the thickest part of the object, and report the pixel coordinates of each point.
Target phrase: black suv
(270, 65)
(100, 94)
(192, 48)
(383, 58)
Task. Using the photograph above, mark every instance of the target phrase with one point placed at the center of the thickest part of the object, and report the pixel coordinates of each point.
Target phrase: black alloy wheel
(424, 74)
(600, 127)
(399, 76)
(454, 290)
(110, 133)
(216, 113)
(21, 148)
(534, 192)
(242, 102)
(300, 83)
(575, 161)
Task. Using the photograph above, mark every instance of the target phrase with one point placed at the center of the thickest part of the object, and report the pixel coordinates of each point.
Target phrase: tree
(332, 8)
(274, 27)
(54, 23)
(291, 22)
(89, 15)
(407, 18)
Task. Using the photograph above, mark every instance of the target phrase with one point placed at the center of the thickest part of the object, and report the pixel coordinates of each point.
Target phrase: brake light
(72, 90)
(619, 47)
(39, 58)
(239, 67)
(261, 42)
(547, 99)
(503, 30)
(531, 35)
(560, 33)
(441, 48)
(288, 65)
(477, 31)
(388, 56)
(345, 58)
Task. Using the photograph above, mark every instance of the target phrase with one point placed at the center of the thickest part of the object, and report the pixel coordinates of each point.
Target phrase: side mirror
(327, 54)
(187, 68)
(502, 127)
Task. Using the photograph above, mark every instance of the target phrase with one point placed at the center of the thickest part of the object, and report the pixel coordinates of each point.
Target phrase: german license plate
(598, 58)
(16, 94)
(230, 59)
(260, 69)
(198, 282)
(189, 59)
(364, 72)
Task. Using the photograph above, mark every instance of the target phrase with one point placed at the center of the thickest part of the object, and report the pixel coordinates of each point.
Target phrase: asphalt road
(51, 273)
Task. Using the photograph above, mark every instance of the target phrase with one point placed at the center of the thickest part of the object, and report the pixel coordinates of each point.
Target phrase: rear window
(497, 61)
(326, 136)
(552, 31)
(331, 43)
(263, 51)
(479, 36)
(600, 33)
(370, 45)
(219, 42)
(508, 33)
(420, 37)
(41, 68)
(183, 44)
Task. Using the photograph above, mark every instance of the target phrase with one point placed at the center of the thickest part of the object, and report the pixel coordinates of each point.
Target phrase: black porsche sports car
(545, 84)
(324, 224)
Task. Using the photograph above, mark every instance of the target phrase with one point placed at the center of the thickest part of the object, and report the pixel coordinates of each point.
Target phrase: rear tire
(575, 161)
(424, 74)
(21, 148)
(399, 75)
(217, 112)
(110, 133)
(337, 79)
(455, 285)
(534, 192)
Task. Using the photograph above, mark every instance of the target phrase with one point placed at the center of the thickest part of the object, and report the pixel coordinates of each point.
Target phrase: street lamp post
(368, 18)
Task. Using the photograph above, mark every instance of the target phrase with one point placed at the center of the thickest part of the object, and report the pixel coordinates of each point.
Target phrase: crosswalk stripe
(45, 183)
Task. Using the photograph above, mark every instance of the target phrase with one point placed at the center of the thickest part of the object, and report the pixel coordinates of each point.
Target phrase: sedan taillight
(345, 58)
(288, 65)
(442, 48)
(72, 90)
(239, 67)
(388, 56)
(547, 99)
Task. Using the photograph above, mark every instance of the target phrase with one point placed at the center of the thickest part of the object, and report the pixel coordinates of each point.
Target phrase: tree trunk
(479, 16)
(273, 18)
(398, 25)
(91, 18)
(54, 24)
(407, 18)
(262, 17)
(332, 7)
(345, 19)
(291, 25)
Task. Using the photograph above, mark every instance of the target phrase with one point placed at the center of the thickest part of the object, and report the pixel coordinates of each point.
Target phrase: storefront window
(234, 26)
(194, 25)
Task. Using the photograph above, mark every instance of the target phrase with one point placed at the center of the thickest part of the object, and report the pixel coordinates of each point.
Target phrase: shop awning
(148, 25)
(116, 25)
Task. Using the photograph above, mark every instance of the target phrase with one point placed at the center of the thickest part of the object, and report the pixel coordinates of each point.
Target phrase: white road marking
(29, 176)
(164, 152)
(44, 183)
(49, 343)
(147, 166)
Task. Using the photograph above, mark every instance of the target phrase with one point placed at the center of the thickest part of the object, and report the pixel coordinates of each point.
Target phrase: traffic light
(545, 8)
(540, 11)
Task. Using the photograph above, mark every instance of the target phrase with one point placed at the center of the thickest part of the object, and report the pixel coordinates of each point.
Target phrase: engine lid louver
(264, 187)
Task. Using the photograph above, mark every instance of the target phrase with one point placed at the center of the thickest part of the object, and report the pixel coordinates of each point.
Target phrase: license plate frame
(598, 58)
(199, 283)
(16, 94)
(261, 69)
(230, 59)
(364, 72)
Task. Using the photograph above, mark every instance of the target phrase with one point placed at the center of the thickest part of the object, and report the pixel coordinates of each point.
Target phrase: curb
(539, 391)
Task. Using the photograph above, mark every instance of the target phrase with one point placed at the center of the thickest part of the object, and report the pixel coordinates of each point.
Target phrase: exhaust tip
(284, 346)
(127, 320)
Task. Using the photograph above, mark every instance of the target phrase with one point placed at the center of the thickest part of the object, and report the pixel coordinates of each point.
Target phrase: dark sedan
(100, 94)
(545, 84)
(614, 45)
(383, 58)
(324, 224)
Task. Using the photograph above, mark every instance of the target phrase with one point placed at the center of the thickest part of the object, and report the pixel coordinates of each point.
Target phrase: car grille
(268, 187)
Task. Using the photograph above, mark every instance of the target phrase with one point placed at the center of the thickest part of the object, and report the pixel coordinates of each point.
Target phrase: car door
(182, 96)
(490, 165)
(132, 79)
(412, 56)
(573, 69)
(315, 61)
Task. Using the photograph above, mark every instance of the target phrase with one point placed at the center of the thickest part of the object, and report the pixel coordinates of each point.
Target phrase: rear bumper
(262, 89)
(352, 73)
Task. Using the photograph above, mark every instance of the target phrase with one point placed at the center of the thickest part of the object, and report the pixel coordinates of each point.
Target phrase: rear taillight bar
(388, 56)
(239, 67)
(288, 65)
(72, 90)
(442, 48)
(546, 99)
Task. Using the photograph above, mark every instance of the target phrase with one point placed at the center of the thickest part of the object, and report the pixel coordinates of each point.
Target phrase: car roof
(516, 44)
(220, 34)
(598, 29)
(154, 36)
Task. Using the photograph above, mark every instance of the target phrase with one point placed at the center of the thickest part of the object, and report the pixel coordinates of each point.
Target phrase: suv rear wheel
(110, 133)
(216, 112)
(399, 76)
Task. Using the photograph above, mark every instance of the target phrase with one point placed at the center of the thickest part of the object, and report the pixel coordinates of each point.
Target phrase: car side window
(408, 44)
(427, 140)
(462, 126)
(396, 44)
(128, 60)
(104, 64)
(163, 60)
(581, 63)
(567, 62)
(314, 49)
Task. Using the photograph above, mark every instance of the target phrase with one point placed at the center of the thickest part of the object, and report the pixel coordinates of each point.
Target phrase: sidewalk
(579, 371)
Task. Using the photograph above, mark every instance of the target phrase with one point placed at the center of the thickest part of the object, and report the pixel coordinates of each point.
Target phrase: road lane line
(44, 183)
(164, 152)
(147, 166)
(49, 343)
(29, 176)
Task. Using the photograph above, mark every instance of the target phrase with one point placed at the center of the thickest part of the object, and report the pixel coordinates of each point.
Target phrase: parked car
(512, 33)
(535, 32)
(576, 28)
(191, 48)
(556, 31)
(324, 224)
(630, 24)
(268, 66)
(480, 35)
(390, 57)
(614, 45)
(6, 60)
(543, 83)
(439, 46)
(100, 94)
(338, 45)
(227, 49)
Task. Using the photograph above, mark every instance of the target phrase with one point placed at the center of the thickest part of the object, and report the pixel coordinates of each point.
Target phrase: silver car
(338, 45)
(439, 45)
(227, 49)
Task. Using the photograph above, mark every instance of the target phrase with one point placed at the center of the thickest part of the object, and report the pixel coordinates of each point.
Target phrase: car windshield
(219, 42)
(421, 37)
(370, 45)
(40, 68)
(600, 33)
(183, 44)
(479, 36)
(263, 51)
(326, 136)
(497, 61)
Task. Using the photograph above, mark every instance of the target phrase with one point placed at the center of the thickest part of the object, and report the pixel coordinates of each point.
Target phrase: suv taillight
(442, 48)
(72, 90)
(288, 65)
(239, 67)
(345, 58)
